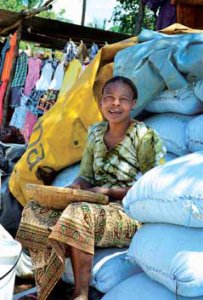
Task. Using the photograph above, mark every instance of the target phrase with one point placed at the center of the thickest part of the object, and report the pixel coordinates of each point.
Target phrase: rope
(2, 277)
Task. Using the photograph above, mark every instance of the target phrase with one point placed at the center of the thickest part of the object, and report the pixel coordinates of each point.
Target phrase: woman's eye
(108, 98)
(124, 100)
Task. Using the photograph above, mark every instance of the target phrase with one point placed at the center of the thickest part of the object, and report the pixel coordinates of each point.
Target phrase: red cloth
(3, 87)
(6, 71)
(9, 59)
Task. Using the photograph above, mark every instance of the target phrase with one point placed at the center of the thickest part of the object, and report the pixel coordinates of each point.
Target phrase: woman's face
(117, 102)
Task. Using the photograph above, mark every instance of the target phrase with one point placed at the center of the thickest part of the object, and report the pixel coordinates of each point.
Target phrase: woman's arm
(113, 193)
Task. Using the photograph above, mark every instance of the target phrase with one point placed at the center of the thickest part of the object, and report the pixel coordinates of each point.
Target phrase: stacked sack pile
(178, 120)
(168, 199)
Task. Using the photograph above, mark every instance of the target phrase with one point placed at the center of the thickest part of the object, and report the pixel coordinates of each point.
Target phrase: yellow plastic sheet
(177, 28)
(59, 136)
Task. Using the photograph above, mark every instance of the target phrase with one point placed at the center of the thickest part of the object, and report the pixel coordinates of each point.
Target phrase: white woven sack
(110, 267)
(182, 101)
(171, 128)
(66, 176)
(172, 255)
(198, 89)
(170, 193)
(170, 156)
(194, 134)
(141, 287)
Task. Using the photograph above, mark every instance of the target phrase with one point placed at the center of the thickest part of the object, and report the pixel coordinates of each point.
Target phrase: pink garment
(30, 121)
(34, 65)
(3, 87)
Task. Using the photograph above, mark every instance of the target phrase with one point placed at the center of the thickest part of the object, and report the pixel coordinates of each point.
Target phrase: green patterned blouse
(139, 151)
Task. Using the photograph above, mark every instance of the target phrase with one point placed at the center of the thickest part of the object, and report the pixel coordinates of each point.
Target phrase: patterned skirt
(47, 233)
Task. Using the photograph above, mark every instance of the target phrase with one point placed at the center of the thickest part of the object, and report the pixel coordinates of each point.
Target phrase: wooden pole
(83, 12)
(6, 98)
(140, 17)
(25, 14)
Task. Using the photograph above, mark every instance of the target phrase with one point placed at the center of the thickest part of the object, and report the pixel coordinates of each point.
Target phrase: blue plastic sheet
(159, 62)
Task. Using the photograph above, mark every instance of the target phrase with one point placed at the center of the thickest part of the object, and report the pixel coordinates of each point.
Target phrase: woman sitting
(116, 150)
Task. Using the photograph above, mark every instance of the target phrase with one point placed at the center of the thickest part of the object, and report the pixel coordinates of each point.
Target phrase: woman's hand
(113, 193)
(74, 186)
(100, 190)
(80, 183)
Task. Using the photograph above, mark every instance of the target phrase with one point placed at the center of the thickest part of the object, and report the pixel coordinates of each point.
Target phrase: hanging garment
(71, 51)
(93, 51)
(47, 101)
(32, 101)
(58, 78)
(4, 50)
(20, 70)
(83, 53)
(15, 95)
(3, 87)
(9, 59)
(34, 66)
(19, 114)
(44, 81)
(71, 75)
(53, 61)
(29, 123)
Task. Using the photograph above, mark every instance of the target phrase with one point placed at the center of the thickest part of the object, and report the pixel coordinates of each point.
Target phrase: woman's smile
(115, 111)
(117, 102)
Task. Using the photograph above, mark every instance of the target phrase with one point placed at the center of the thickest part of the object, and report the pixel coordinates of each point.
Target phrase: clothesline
(38, 80)
(17, 80)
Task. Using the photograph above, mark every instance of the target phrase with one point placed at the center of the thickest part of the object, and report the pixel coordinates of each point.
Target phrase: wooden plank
(54, 34)
(62, 30)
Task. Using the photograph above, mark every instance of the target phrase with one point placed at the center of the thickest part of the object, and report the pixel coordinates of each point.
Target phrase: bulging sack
(110, 267)
(9, 256)
(171, 128)
(66, 176)
(170, 156)
(171, 255)
(182, 101)
(141, 287)
(170, 193)
(194, 134)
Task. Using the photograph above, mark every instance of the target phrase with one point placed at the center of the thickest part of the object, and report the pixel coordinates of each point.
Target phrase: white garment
(44, 81)
(19, 114)
(58, 78)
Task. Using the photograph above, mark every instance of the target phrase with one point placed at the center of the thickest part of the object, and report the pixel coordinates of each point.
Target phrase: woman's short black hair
(123, 80)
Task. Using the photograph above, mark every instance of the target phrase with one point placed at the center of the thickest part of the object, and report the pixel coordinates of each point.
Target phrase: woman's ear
(134, 103)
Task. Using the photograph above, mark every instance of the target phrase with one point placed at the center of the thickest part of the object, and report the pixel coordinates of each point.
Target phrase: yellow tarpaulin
(58, 137)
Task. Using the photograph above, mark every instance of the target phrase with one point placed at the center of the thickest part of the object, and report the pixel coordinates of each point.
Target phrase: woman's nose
(116, 101)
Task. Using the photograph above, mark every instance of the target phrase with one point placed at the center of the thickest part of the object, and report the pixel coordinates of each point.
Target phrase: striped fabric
(21, 70)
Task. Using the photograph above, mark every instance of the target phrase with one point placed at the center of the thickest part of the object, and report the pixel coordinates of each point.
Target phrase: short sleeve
(151, 151)
(86, 166)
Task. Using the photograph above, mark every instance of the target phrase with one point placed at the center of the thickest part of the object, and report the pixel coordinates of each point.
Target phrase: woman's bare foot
(79, 297)
(82, 265)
